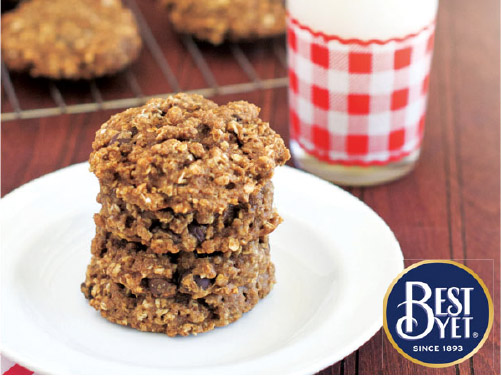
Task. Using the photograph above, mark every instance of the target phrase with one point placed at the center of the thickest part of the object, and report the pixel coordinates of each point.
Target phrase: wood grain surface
(447, 208)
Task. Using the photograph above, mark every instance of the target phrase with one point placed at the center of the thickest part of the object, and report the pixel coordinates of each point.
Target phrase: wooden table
(448, 208)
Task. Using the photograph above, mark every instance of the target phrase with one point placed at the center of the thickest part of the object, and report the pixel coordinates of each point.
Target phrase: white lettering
(467, 321)
(424, 348)
(407, 325)
(442, 326)
(454, 328)
(467, 291)
(439, 301)
(409, 318)
(455, 301)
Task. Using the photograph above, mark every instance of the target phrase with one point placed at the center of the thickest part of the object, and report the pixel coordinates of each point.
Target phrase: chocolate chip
(129, 221)
(160, 287)
(86, 290)
(198, 231)
(203, 283)
(114, 138)
(120, 141)
(134, 131)
(230, 214)
(204, 130)
(182, 298)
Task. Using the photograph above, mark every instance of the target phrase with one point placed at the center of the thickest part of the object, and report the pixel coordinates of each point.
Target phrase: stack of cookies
(181, 245)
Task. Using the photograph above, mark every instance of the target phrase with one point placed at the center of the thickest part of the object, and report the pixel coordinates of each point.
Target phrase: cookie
(78, 39)
(174, 316)
(139, 269)
(176, 294)
(218, 20)
(186, 198)
(165, 231)
(186, 153)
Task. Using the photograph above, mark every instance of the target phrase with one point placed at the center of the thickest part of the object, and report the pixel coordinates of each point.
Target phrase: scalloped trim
(360, 42)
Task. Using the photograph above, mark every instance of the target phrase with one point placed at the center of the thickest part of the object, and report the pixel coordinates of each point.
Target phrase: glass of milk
(359, 73)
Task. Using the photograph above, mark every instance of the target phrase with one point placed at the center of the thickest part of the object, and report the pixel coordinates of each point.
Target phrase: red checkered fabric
(358, 102)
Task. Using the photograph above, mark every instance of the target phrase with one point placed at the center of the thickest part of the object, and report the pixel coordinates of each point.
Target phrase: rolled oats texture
(218, 20)
(165, 231)
(177, 294)
(186, 153)
(77, 39)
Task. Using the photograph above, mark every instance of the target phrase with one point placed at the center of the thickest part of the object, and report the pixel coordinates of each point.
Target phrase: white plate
(334, 257)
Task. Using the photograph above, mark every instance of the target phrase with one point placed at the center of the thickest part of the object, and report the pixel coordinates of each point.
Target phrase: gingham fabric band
(9, 367)
(354, 102)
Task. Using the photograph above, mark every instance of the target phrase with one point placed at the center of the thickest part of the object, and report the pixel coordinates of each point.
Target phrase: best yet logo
(438, 313)
(455, 316)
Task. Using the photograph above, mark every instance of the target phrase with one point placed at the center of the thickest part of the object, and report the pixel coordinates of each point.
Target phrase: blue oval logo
(438, 313)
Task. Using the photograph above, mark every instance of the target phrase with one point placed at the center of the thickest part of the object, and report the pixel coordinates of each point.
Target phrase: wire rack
(16, 109)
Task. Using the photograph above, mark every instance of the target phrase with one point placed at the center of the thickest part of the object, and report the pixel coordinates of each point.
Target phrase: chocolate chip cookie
(77, 39)
(177, 294)
(181, 242)
(217, 20)
(187, 153)
(165, 231)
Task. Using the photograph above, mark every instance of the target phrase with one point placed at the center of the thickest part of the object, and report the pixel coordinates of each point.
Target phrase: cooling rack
(164, 53)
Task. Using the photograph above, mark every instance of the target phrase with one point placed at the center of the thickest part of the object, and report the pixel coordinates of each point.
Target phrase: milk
(364, 19)
(360, 52)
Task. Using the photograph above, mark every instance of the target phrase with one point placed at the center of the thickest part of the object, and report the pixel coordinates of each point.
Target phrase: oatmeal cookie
(173, 316)
(76, 39)
(178, 294)
(181, 242)
(217, 20)
(143, 271)
(165, 231)
(186, 153)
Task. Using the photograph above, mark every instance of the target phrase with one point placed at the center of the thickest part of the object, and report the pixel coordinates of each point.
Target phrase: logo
(437, 313)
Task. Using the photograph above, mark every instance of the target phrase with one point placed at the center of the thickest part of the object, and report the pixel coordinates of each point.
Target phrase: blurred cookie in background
(218, 20)
(62, 39)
